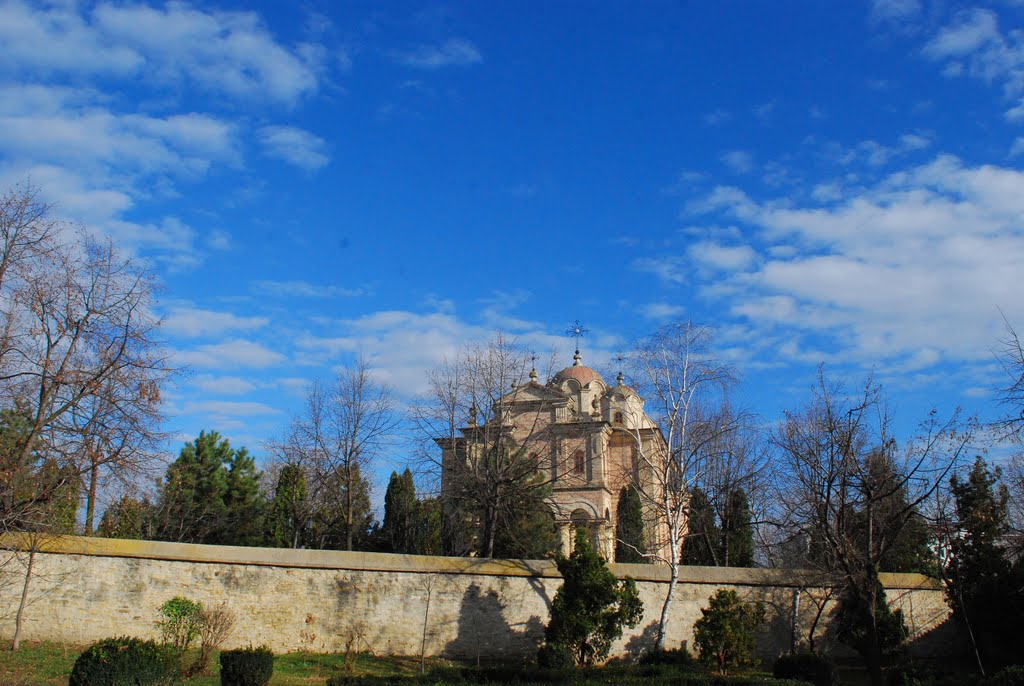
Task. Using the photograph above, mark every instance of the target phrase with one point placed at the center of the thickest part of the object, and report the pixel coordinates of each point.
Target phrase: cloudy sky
(823, 182)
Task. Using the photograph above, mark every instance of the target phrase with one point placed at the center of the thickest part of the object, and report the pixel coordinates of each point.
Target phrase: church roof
(584, 375)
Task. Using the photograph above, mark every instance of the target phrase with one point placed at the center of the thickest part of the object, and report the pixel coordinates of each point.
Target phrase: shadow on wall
(483, 631)
(644, 642)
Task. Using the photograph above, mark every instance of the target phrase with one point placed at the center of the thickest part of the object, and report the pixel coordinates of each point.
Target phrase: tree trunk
(90, 501)
(659, 643)
(349, 511)
(20, 618)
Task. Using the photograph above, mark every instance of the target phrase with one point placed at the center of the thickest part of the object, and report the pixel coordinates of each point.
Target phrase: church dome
(583, 375)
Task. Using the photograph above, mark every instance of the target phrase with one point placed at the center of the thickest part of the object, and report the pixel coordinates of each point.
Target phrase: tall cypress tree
(629, 530)
(737, 549)
(289, 508)
(401, 514)
(702, 535)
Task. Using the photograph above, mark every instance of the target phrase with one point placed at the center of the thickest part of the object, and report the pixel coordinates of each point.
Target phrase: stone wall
(84, 589)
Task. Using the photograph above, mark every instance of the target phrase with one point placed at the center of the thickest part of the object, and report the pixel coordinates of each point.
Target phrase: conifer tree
(702, 535)
(983, 587)
(401, 514)
(210, 494)
(737, 547)
(289, 509)
(591, 606)
(629, 531)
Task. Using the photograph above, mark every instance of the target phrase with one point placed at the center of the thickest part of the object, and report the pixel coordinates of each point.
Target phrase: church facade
(587, 439)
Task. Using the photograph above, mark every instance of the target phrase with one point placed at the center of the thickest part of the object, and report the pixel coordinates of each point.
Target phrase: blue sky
(823, 182)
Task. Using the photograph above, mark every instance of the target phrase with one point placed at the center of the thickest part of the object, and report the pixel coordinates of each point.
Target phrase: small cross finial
(577, 331)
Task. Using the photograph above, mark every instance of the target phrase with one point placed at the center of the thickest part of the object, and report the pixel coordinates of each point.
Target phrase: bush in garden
(215, 625)
(126, 661)
(591, 606)
(809, 667)
(555, 656)
(179, 623)
(246, 666)
(724, 634)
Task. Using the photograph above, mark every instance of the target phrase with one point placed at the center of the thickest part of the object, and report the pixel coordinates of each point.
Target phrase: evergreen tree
(591, 606)
(127, 517)
(853, 617)
(288, 509)
(703, 535)
(737, 547)
(210, 494)
(37, 492)
(329, 513)
(984, 588)
(429, 526)
(401, 527)
(526, 527)
(629, 531)
(243, 502)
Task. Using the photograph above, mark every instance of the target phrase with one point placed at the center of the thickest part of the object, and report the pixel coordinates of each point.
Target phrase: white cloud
(922, 261)
(304, 289)
(740, 161)
(661, 310)
(717, 117)
(1018, 147)
(231, 354)
(295, 146)
(222, 52)
(193, 322)
(453, 52)
(974, 46)
(972, 30)
(894, 10)
(714, 255)
(224, 385)
(227, 408)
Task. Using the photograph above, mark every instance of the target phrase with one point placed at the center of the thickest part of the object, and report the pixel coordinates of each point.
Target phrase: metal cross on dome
(577, 331)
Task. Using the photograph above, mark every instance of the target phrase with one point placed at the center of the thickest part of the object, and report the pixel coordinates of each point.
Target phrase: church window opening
(578, 462)
(618, 417)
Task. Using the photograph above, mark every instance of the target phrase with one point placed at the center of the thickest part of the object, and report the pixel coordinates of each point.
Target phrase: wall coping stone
(425, 564)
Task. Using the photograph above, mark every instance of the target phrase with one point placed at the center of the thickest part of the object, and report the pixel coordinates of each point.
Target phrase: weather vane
(577, 332)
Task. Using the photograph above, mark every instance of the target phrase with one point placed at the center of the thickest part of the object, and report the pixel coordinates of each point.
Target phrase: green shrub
(724, 634)
(180, 623)
(555, 656)
(126, 661)
(246, 666)
(809, 667)
(591, 606)
(679, 657)
(1011, 676)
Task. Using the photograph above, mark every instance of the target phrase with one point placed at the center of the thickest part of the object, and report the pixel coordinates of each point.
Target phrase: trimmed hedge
(650, 675)
(126, 661)
(809, 667)
(555, 656)
(246, 666)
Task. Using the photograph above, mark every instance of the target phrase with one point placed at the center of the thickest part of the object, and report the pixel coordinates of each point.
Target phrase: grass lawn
(36, 664)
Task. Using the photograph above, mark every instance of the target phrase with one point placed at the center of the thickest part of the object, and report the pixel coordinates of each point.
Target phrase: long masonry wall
(85, 589)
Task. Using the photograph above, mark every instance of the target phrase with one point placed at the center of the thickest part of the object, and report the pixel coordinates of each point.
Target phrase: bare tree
(342, 429)
(683, 383)
(76, 330)
(491, 419)
(850, 489)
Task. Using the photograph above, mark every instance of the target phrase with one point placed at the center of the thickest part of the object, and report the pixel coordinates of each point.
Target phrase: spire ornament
(577, 331)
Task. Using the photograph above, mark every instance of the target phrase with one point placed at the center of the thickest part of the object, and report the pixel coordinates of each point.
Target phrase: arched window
(579, 462)
(618, 418)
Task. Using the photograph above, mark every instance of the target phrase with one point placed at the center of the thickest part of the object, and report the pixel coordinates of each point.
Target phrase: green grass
(49, 664)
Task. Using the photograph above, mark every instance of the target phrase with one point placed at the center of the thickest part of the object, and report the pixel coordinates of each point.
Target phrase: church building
(588, 439)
